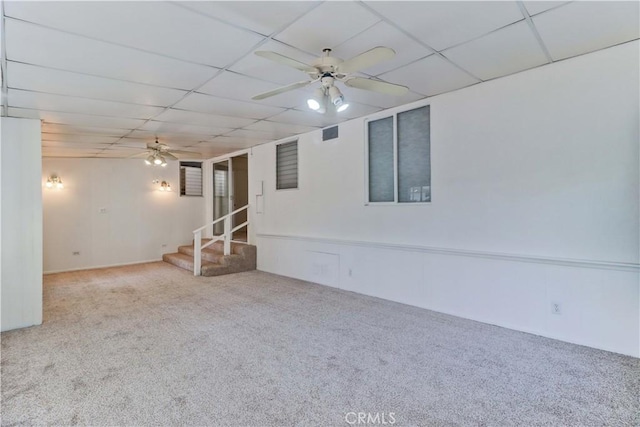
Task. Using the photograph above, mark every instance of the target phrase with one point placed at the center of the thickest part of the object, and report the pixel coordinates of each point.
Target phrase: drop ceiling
(105, 78)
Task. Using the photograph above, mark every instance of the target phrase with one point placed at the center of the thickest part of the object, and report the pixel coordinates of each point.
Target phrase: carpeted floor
(153, 345)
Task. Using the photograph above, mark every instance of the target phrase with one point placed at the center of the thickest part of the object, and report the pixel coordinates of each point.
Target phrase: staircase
(214, 261)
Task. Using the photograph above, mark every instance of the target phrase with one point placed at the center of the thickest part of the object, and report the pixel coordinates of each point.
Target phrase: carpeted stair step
(208, 254)
(214, 262)
(183, 261)
(236, 248)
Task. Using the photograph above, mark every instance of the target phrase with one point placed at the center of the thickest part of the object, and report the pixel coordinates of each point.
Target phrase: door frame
(208, 185)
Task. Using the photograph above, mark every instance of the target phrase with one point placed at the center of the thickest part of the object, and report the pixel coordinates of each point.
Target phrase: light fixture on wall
(164, 185)
(54, 181)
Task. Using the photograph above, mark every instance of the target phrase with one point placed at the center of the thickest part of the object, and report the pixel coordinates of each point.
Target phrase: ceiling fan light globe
(342, 107)
(313, 104)
(157, 161)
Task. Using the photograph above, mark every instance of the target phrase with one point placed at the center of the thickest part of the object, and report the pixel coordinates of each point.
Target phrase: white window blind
(399, 159)
(190, 179)
(287, 165)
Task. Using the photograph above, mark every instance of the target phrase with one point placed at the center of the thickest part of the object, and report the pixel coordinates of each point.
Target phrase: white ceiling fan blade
(285, 60)
(168, 156)
(282, 89)
(365, 60)
(377, 86)
(176, 154)
(142, 155)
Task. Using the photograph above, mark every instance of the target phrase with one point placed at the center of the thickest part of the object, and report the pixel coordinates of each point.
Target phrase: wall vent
(330, 133)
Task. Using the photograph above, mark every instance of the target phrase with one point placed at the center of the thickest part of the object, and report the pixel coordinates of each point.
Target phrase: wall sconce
(54, 181)
(164, 185)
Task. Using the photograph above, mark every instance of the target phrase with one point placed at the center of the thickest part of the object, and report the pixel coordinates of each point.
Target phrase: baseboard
(101, 266)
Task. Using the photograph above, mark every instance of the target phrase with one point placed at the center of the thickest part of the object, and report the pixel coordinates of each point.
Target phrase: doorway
(230, 192)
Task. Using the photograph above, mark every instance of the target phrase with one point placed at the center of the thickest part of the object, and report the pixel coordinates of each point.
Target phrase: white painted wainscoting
(598, 300)
(535, 201)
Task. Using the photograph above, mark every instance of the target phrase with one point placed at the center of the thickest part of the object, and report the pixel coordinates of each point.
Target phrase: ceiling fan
(157, 154)
(329, 69)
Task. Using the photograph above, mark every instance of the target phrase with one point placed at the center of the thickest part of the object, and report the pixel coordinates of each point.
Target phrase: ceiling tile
(77, 138)
(535, 7)
(179, 138)
(159, 27)
(239, 142)
(229, 107)
(275, 128)
(442, 24)
(262, 68)
(252, 134)
(259, 16)
(305, 118)
(236, 86)
(70, 104)
(383, 34)
(222, 144)
(356, 110)
(29, 77)
(581, 27)
(378, 99)
(68, 152)
(82, 130)
(26, 43)
(430, 76)
(76, 119)
(201, 119)
(74, 145)
(328, 25)
(179, 128)
(506, 51)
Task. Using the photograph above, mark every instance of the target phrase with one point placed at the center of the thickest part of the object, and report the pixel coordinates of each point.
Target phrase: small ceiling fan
(329, 69)
(157, 154)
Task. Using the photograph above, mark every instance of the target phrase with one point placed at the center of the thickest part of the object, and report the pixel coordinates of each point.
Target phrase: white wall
(112, 213)
(21, 223)
(535, 200)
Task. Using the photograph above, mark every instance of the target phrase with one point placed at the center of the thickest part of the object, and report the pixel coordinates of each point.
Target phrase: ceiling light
(158, 160)
(164, 163)
(336, 96)
(313, 104)
(149, 160)
(317, 100)
(342, 107)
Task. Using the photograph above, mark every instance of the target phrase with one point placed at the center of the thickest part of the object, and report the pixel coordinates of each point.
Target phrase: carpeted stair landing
(214, 262)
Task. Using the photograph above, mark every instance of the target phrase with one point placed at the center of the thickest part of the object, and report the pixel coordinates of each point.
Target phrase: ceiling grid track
(3, 64)
(220, 71)
(534, 30)
(412, 37)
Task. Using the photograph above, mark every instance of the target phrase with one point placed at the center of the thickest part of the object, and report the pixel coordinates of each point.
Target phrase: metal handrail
(226, 236)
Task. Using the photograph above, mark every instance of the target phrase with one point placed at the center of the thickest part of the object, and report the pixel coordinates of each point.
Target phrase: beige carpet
(153, 345)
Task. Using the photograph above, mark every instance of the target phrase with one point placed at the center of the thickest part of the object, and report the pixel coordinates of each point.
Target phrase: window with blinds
(287, 165)
(190, 179)
(399, 158)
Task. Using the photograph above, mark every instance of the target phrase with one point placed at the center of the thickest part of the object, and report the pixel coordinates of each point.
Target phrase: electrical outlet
(350, 273)
(556, 308)
(75, 253)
